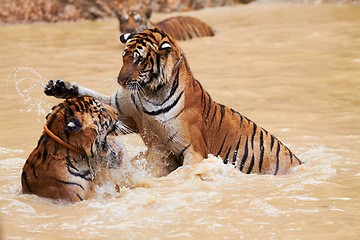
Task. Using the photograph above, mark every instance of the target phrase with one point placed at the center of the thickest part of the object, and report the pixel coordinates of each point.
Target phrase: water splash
(28, 83)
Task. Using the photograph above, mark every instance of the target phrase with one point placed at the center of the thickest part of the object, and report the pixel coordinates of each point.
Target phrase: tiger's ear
(165, 46)
(125, 37)
(148, 12)
(74, 125)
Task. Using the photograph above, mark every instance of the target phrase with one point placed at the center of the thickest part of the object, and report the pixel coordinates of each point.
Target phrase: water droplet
(28, 84)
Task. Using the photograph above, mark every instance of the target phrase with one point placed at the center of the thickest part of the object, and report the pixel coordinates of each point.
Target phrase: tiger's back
(240, 141)
(184, 28)
(179, 27)
(78, 137)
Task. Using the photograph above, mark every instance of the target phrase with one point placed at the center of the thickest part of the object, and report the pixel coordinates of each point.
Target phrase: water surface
(293, 69)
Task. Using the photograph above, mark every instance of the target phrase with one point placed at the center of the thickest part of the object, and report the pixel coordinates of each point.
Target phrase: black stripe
(41, 139)
(79, 197)
(71, 112)
(152, 36)
(65, 118)
(272, 142)
(261, 158)
(253, 136)
(261, 150)
(226, 159)
(184, 149)
(175, 115)
(277, 158)
(207, 115)
(53, 115)
(236, 151)
(24, 177)
(222, 108)
(222, 145)
(77, 107)
(174, 87)
(193, 81)
(246, 151)
(202, 91)
(45, 151)
(56, 147)
(166, 109)
(261, 137)
(212, 119)
(158, 62)
(34, 172)
(92, 151)
(133, 99)
(82, 106)
(70, 183)
(76, 173)
(251, 164)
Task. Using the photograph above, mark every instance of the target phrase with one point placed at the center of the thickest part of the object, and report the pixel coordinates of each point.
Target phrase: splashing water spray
(28, 83)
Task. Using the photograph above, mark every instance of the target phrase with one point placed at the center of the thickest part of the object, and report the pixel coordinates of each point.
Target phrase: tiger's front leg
(61, 89)
(64, 89)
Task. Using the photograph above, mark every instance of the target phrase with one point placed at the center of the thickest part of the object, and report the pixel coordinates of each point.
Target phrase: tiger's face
(134, 21)
(87, 124)
(149, 60)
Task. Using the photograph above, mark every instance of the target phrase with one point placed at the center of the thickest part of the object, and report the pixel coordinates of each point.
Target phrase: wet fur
(179, 27)
(53, 171)
(160, 99)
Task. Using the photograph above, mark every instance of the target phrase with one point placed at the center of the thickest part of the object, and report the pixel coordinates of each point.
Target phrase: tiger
(79, 137)
(161, 100)
(179, 27)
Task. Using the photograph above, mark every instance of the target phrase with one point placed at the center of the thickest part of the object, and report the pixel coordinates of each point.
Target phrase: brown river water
(293, 69)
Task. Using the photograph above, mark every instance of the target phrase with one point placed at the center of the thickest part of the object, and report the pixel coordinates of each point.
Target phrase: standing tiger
(160, 98)
(79, 137)
(179, 28)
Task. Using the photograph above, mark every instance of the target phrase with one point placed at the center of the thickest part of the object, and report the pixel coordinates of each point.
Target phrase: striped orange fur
(160, 98)
(179, 27)
(55, 170)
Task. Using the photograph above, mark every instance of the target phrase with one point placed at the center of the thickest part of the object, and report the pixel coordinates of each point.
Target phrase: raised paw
(61, 89)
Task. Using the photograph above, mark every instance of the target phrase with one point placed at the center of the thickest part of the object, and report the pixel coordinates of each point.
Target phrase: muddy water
(293, 69)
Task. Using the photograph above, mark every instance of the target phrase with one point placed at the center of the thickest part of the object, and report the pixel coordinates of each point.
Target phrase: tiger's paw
(61, 89)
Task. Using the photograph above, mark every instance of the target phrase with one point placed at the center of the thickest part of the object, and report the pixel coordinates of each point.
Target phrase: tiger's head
(150, 60)
(86, 124)
(134, 21)
(80, 139)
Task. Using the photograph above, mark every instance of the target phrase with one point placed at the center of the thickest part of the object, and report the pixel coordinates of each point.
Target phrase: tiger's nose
(122, 81)
(130, 30)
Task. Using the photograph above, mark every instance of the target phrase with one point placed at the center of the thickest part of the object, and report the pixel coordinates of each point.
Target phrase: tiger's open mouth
(131, 85)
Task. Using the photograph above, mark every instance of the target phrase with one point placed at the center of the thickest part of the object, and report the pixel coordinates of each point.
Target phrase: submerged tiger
(160, 98)
(80, 136)
(179, 28)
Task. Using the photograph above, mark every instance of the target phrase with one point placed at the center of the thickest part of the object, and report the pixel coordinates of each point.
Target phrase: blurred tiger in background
(80, 136)
(179, 28)
(160, 98)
